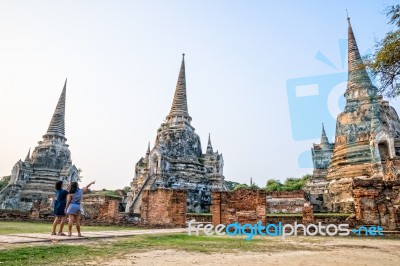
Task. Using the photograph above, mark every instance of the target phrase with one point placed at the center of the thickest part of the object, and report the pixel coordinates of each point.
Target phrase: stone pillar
(216, 208)
(308, 214)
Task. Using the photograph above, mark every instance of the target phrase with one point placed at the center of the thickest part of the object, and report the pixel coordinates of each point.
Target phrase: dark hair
(59, 185)
(73, 188)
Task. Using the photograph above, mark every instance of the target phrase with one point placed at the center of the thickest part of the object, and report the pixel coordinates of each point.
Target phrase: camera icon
(314, 100)
(317, 99)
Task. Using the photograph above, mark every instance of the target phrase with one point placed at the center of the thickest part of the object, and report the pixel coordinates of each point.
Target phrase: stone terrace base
(285, 201)
(339, 196)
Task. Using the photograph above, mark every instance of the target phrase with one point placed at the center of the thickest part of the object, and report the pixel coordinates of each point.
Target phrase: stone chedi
(32, 180)
(176, 161)
(317, 183)
(367, 139)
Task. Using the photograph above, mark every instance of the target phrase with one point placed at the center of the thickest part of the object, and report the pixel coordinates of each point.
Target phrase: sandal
(53, 234)
(61, 234)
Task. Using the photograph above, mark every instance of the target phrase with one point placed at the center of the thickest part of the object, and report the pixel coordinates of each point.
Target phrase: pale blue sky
(122, 60)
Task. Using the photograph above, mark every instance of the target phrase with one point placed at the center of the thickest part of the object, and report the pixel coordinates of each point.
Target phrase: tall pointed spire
(324, 138)
(209, 146)
(28, 156)
(148, 150)
(179, 105)
(57, 123)
(358, 77)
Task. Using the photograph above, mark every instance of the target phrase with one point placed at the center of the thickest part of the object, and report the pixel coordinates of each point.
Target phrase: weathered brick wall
(377, 202)
(164, 207)
(285, 201)
(14, 215)
(242, 206)
(308, 214)
(100, 208)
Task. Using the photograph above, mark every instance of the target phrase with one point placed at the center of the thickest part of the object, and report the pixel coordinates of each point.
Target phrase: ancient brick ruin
(242, 206)
(285, 201)
(176, 161)
(377, 202)
(32, 180)
(101, 208)
(308, 214)
(361, 173)
(164, 206)
(175, 181)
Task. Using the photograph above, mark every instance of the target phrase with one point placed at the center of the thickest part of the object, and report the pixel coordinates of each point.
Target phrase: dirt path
(335, 251)
(41, 237)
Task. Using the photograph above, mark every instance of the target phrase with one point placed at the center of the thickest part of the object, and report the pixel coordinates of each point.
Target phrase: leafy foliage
(273, 185)
(254, 186)
(4, 181)
(394, 13)
(105, 192)
(231, 184)
(245, 186)
(384, 63)
(290, 184)
(241, 186)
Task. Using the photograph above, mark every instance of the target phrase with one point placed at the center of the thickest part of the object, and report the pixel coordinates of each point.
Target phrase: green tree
(241, 186)
(231, 184)
(394, 13)
(384, 63)
(290, 184)
(273, 185)
(4, 181)
(245, 186)
(254, 186)
(293, 183)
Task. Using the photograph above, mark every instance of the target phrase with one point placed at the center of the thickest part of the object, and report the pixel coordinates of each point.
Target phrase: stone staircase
(137, 202)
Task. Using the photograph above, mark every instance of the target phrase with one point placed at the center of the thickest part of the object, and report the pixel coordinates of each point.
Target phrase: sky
(261, 78)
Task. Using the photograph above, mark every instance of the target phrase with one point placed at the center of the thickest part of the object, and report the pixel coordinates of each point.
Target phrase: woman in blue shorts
(73, 208)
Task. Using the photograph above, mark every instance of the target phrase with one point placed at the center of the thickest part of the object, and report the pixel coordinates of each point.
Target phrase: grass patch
(45, 255)
(332, 214)
(319, 214)
(101, 251)
(30, 227)
(200, 214)
(104, 192)
(284, 215)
